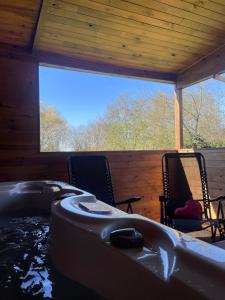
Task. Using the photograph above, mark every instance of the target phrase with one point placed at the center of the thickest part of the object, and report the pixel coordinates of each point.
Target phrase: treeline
(139, 124)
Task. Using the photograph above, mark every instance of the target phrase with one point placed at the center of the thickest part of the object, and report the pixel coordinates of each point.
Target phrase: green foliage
(140, 124)
(143, 123)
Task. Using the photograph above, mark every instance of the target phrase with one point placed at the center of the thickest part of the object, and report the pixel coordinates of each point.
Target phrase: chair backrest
(184, 177)
(92, 174)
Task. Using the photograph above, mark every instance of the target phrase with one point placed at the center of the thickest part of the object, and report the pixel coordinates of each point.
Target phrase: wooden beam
(205, 68)
(39, 24)
(107, 68)
(219, 77)
(178, 118)
(51, 59)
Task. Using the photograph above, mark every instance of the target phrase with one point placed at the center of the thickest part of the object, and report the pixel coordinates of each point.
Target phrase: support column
(178, 118)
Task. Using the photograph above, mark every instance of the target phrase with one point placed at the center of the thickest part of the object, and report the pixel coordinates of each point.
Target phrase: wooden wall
(134, 172)
(215, 162)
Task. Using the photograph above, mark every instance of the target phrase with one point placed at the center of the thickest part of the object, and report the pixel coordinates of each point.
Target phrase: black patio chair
(184, 178)
(92, 174)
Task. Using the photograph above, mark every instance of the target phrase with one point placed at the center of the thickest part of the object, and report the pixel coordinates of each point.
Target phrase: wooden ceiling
(165, 36)
(17, 21)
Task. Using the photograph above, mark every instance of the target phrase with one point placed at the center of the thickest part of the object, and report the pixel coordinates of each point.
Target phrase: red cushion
(191, 210)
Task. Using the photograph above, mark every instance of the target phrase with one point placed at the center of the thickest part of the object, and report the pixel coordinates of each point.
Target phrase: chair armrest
(217, 199)
(130, 200)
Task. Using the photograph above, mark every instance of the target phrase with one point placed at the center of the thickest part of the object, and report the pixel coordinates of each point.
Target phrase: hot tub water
(26, 271)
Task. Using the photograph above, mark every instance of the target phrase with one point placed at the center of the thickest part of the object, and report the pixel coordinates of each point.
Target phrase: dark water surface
(26, 271)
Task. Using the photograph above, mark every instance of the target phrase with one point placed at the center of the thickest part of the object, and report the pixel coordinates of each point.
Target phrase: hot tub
(169, 264)
(26, 268)
(20, 195)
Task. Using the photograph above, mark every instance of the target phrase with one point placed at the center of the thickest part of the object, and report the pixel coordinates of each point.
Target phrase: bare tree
(88, 138)
(53, 129)
(203, 119)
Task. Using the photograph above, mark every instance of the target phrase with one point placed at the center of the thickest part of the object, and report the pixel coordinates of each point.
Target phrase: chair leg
(129, 208)
(221, 221)
(162, 216)
(163, 213)
(213, 232)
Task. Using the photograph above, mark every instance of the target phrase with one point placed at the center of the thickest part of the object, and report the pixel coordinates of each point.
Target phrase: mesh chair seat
(189, 225)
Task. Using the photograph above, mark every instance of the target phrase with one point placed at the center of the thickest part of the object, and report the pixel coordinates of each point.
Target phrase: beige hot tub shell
(170, 265)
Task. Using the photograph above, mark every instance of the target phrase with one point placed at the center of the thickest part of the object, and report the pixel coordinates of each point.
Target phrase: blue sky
(80, 97)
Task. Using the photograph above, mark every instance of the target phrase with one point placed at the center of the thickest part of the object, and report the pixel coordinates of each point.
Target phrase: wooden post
(178, 118)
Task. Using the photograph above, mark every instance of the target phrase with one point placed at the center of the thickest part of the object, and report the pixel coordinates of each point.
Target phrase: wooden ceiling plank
(126, 62)
(221, 2)
(138, 19)
(87, 39)
(161, 14)
(88, 50)
(205, 8)
(126, 38)
(70, 21)
(70, 11)
(116, 41)
(142, 29)
(203, 69)
(185, 10)
(210, 5)
(125, 21)
(114, 31)
(207, 33)
(104, 59)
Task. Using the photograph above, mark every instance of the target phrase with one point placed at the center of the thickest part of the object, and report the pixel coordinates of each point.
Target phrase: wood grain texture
(17, 21)
(111, 30)
(156, 37)
(178, 118)
(203, 69)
